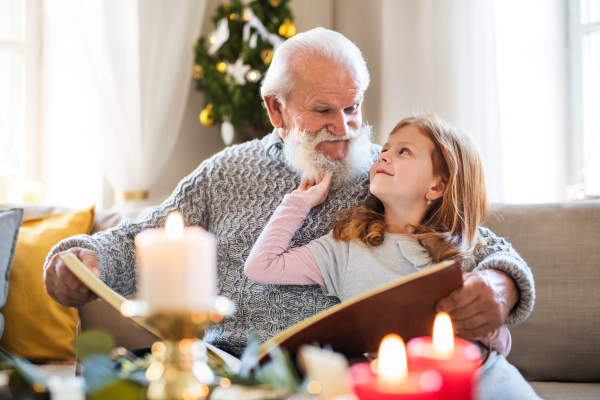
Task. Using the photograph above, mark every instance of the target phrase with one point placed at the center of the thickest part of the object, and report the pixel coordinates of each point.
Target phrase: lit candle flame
(443, 336)
(174, 226)
(392, 369)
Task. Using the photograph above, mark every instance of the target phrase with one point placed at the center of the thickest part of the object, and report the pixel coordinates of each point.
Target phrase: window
(585, 94)
(20, 59)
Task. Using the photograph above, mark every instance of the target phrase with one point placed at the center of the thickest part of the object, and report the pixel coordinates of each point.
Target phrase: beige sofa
(557, 348)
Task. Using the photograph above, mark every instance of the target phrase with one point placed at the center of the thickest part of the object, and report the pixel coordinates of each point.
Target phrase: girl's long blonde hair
(450, 228)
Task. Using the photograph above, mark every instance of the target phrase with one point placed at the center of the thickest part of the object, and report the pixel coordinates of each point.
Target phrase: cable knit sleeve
(115, 247)
(498, 254)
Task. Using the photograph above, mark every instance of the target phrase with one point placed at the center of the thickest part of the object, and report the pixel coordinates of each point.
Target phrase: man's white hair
(321, 44)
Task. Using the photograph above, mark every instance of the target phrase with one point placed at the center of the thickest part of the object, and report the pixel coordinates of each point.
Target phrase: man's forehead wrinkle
(314, 96)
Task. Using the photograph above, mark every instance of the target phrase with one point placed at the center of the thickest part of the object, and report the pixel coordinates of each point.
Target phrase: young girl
(429, 199)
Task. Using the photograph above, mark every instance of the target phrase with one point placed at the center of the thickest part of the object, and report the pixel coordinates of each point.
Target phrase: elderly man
(313, 92)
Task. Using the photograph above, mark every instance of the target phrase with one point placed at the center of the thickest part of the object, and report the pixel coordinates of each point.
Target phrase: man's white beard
(300, 153)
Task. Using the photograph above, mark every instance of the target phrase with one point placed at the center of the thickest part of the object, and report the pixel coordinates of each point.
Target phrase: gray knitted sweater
(233, 194)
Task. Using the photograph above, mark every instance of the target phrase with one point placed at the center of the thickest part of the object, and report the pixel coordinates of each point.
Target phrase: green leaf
(98, 370)
(21, 389)
(280, 371)
(31, 374)
(93, 342)
(122, 389)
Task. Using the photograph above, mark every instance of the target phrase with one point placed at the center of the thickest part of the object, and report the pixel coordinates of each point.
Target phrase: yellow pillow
(37, 327)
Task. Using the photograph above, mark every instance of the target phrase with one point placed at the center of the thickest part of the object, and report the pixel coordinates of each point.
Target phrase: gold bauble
(266, 55)
(222, 67)
(275, 3)
(206, 116)
(287, 29)
(197, 72)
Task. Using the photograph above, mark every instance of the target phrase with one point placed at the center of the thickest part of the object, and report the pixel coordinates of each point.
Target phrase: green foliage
(26, 380)
(93, 342)
(103, 380)
(239, 104)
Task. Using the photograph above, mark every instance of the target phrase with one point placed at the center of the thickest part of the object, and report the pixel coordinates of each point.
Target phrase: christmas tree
(231, 62)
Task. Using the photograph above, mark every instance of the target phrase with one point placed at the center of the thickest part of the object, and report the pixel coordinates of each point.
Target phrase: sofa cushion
(10, 222)
(566, 391)
(36, 326)
(560, 341)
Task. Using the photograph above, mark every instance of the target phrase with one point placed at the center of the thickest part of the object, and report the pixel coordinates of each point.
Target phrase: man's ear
(437, 191)
(275, 109)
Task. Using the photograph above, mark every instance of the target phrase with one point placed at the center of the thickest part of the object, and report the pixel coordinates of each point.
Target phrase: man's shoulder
(247, 153)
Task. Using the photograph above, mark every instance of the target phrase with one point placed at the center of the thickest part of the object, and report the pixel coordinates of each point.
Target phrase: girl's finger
(326, 182)
(303, 184)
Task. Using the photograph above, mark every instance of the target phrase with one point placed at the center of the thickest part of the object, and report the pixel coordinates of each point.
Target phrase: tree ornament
(287, 29)
(266, 55)
(222, 66)
(206, 116)
(247, 14)
(253, 75)
(232, 16)
(219, 36)
(256, 23)
(227, 132)
(238, 70)
(275, 3)
(197, 72)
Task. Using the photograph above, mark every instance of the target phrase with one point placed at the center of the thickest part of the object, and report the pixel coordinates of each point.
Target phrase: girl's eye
(404, 151)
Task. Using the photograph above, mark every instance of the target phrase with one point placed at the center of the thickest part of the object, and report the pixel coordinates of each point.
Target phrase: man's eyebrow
(321, 104)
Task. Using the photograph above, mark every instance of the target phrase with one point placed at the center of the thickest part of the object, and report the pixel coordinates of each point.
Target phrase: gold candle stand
(171, 376)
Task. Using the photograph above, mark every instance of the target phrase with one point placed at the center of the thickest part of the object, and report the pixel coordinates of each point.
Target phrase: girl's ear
(437, 191)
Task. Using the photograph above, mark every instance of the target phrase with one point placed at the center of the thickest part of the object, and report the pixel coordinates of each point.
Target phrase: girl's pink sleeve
(501, 341)
(271, 262)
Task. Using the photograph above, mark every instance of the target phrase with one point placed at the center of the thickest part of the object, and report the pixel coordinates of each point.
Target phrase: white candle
(177, 267)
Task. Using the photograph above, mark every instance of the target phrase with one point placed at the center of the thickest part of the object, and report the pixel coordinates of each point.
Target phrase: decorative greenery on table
(231, 62)
(103, 380)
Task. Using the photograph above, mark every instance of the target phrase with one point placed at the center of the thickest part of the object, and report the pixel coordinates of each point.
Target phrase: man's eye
(351, 109)
(322, 111)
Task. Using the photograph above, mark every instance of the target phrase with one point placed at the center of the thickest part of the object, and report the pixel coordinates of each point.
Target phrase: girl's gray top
(351, 268)
(233, 194)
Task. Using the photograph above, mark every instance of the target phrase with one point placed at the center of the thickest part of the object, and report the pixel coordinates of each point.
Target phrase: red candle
(393, 380)
(456, 359)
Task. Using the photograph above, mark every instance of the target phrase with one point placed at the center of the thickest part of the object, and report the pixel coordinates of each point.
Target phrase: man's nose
(339, 124)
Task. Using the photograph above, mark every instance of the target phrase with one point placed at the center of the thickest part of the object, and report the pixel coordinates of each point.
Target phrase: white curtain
(440, 56)
(499, 68)
(133, 62)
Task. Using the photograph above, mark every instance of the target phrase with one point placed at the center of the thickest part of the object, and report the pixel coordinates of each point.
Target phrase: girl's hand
(314, 194)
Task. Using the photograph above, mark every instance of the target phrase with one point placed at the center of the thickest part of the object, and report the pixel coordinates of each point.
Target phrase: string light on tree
(253, 75)
(222, 66)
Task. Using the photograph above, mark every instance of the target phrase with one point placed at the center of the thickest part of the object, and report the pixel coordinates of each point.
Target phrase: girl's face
(403, 173)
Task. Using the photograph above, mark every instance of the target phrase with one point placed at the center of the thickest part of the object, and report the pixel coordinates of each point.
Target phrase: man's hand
(314, 194)
(482, 304)
(63, 286)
